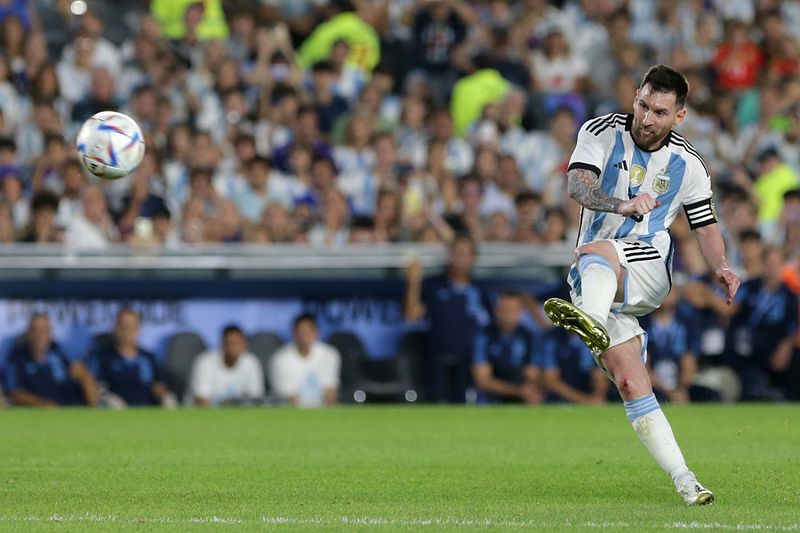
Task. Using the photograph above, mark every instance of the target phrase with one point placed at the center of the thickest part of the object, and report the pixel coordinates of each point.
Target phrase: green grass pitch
(392, 468)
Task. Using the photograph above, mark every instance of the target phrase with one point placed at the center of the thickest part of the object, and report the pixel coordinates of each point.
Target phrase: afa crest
(636, 175)
(661, 183)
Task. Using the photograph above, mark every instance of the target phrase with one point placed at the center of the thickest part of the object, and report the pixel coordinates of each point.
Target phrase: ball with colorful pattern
(110, 145)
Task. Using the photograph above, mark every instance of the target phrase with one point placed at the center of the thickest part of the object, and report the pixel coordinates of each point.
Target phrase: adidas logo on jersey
(622, 165)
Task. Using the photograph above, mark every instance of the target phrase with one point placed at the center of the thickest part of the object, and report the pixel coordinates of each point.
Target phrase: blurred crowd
(370, 121)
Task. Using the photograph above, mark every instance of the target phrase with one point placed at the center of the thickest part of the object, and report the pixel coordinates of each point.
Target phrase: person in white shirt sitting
(305, 372)
(228, 376)
(93, 228)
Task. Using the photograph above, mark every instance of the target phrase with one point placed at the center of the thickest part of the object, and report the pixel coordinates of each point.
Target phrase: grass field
(557, 468)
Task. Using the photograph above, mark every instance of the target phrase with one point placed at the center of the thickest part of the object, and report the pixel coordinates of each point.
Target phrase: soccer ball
(110, 145)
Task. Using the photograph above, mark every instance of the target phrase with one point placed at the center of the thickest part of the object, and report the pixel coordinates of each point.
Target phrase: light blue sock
(641, 406)
(654, 431)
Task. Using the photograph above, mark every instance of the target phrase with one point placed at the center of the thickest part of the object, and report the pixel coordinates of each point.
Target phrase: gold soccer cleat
(570, 317)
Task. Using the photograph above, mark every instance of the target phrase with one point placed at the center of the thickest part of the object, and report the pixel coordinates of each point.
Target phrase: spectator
(328, 105)
(344, 24)
(775, 178)
(543, 156)
(93, 228)
(471, 94)
(42, 228)
(569, 371)
(738, 60)
(305, 373)
(228, 376)
(40, 375)
(556, 68)
(529, 213)
(439, 28)
(12, 193)
(73, 184)
(502, 361)
(456, 308)
(333, 229)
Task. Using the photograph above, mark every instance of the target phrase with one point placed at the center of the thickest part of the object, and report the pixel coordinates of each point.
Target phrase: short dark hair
(665, 79)
(304, 317)
(792, 194)
(509, 293)
(231, 328)
(129, 311)
(258, 160)
(322, 66)
(527, 196)
(750, 234)
(44, 200)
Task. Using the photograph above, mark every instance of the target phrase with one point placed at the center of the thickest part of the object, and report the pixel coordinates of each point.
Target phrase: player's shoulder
(605, 123)
(681, 146)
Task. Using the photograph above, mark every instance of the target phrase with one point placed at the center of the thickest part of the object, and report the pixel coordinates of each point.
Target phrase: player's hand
(638, 205)
(729, 281)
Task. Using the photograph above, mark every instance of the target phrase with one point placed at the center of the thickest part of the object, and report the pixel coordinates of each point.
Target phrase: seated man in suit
(39, 374)
(127, 370)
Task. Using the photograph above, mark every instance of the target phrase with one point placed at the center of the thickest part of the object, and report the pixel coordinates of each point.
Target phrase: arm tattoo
(583, 187)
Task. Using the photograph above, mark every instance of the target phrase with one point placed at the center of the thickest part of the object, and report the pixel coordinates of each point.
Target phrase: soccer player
(631, 173)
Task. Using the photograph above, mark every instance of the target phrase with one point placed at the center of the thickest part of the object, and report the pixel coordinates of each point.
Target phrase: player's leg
(597, 279)
(625, 365)
(602, 278)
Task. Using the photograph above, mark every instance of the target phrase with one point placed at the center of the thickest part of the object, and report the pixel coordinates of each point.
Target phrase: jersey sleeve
(697, 198)
(589, 151)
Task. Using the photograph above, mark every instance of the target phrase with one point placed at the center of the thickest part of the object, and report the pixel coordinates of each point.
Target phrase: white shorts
(647, 284)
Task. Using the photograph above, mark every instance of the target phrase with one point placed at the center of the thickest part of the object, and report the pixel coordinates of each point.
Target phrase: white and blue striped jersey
(674, 174)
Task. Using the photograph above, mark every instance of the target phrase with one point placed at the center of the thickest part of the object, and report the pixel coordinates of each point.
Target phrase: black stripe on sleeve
(584, 166)
(700, 214)
(616, 124)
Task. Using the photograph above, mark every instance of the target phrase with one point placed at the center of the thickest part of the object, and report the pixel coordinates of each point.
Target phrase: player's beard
(649, 138)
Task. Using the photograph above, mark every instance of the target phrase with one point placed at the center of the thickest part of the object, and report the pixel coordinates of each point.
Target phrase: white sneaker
(693, 493)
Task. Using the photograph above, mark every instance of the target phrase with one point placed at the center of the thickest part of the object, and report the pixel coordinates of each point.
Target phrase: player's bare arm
(713, 248)
(584, 188)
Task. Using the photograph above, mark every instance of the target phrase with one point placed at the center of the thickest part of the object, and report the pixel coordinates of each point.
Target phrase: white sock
(598, 286)
(654, 431)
